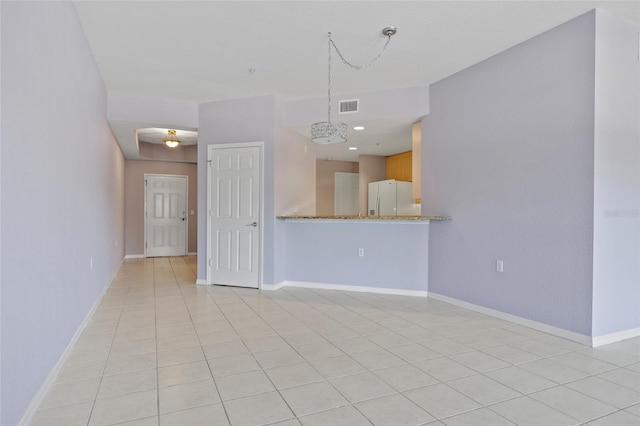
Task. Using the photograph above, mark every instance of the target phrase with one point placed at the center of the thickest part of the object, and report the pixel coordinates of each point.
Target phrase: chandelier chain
(327, 133)
(329, 82)
(357, 67)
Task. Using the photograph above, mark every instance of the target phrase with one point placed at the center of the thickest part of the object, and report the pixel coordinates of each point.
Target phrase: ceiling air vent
(348, 106)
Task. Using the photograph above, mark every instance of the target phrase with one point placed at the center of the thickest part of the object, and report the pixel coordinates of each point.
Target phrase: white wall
(294, 169)
(384, 104)
(62, 190)
(616, 208)
(127, 112)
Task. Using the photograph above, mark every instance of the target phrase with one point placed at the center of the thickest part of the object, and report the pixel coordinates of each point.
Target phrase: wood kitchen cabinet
(399, 166)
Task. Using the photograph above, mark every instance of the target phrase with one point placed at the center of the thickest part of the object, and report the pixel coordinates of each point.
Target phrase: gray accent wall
(135, 171)
(62, 185)
(510, 151)
(326, 183)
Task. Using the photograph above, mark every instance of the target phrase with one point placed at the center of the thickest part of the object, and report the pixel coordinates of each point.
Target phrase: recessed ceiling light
(352, 148)
(358, 128)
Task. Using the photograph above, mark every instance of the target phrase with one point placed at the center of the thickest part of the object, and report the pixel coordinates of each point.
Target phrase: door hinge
(209, 262)
(145, 182)
(145, 245)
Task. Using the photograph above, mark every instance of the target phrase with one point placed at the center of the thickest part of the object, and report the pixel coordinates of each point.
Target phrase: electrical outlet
(499, 265)
(360, 252)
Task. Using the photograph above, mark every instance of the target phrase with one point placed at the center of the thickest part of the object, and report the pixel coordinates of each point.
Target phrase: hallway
(161, 350)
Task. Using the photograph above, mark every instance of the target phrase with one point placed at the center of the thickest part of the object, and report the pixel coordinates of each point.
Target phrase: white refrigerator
(391, 198)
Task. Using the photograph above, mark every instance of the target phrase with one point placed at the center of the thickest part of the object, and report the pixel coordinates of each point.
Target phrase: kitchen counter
(384, 254)
(367, 218)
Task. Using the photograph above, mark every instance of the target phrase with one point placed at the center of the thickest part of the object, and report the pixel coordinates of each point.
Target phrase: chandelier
(171, 140)
(326, 132)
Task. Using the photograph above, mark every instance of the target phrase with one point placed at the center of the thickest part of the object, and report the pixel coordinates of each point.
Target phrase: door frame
(210, 150)
(186, 205)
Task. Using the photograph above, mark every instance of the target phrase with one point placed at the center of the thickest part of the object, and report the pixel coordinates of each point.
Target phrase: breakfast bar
(385, 254)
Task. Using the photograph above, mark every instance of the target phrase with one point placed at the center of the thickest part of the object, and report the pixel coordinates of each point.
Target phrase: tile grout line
(104, 369)
(204, 355)
(155, 316)
(328, 310)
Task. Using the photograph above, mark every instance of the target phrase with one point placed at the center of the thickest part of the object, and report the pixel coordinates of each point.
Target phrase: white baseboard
(556, 331)
(142, 256)
(53, 375)
(134, 256)
(345, 287)
(546, 328)
(618, 336)
(202, 282)
(273, 287)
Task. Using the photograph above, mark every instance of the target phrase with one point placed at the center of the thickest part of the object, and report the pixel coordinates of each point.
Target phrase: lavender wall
(134, 201)
(394, 253)
(1, 133)
(62, 190)
(233, 121)
(616, 269)
(508, 152)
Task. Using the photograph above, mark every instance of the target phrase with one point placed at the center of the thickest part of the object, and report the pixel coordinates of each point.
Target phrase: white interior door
(165, 215)
(346, 193)
(234, 216)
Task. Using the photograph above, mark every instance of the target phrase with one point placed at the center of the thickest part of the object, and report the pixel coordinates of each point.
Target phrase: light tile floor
(162, 351)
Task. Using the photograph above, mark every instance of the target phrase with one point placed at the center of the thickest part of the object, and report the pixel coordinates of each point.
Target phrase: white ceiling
(157, 135)
(203, 50)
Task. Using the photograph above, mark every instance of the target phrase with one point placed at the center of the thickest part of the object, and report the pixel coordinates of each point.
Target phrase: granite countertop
(355, 217)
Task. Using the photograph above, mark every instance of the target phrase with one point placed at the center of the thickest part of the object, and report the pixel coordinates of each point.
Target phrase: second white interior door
(165, 215)
(235, 211)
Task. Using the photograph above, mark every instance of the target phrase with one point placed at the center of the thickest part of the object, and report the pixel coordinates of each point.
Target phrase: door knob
(254, 224)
